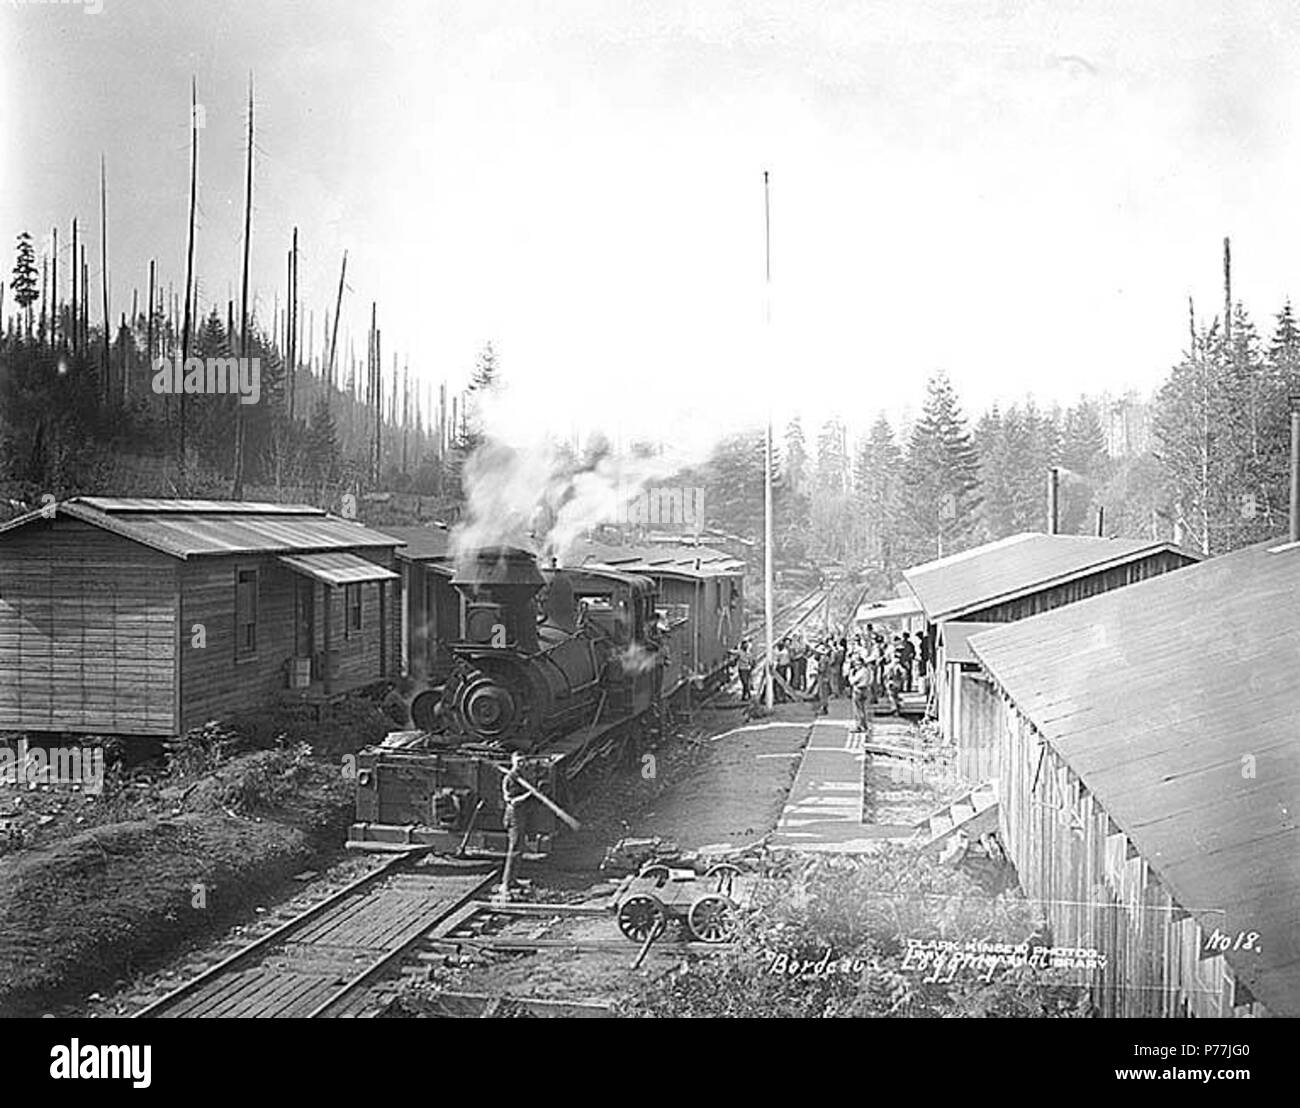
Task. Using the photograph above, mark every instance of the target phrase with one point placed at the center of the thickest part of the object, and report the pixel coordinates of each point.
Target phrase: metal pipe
(1294, 533)
(1053, 514)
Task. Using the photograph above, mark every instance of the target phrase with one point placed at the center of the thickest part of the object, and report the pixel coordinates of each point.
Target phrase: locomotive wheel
(656, 871)
(641, 916)
(710, 919)
(720, 868)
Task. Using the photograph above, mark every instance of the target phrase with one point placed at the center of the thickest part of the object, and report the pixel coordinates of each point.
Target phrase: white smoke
(523, 490)
(635, 658)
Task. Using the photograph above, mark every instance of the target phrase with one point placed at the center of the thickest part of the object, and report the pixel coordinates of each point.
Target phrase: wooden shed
(149, 617)
(1009, 580)
(1150, 782)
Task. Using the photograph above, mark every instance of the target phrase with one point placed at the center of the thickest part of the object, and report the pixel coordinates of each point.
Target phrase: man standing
(515, 797)
(822, 660)
(906, 655)
(894, 683)
(745, 668)
(781, 663)
(798, 662)
(926, 642)
(860, 683)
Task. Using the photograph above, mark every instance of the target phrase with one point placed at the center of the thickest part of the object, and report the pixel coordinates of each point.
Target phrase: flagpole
(767, 467)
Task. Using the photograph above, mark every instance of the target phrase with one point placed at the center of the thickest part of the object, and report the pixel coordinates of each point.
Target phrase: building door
(305, 618)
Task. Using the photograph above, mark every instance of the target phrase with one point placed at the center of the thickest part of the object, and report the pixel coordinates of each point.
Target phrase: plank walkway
(823, 813)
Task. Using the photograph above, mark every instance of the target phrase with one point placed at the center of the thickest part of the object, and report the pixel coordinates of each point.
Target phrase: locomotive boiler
(524, 672)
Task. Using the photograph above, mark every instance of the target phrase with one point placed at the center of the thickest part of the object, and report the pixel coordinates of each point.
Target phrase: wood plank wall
(1096, 890)
(216, 683)
(87, 632)
(966, 727)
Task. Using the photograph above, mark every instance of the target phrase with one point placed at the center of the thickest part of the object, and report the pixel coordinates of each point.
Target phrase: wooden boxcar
(701, 600)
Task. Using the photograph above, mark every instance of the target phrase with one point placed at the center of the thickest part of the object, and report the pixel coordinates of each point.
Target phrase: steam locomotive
(557, 664)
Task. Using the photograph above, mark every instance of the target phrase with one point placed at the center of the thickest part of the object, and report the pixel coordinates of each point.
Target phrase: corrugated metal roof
(1017, 565)
(896, 607)
(955, 637)
(687, 560)
(1176, 700)
(230, 527)
(339, 568)
(118, 505)
(422, 543)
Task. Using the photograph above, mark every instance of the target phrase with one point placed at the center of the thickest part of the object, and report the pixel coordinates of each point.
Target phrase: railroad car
(558, 664)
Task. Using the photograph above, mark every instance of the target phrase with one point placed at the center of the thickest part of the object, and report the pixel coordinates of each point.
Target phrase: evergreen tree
(321, 447)
(1192, 424)
(832, 458)
(25, 277)
(1083, 443)
(794, 467)
(940, 477)
(877, 475)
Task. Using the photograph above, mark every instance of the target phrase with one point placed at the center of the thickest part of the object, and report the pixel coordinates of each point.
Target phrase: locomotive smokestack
(1053, 492)
(499, 584)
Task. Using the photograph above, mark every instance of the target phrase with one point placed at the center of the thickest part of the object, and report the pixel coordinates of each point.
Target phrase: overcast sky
(1023, 194)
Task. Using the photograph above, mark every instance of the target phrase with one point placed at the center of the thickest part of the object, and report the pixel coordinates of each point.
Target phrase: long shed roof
(187, 528)
(1176, 702)
(1016, 566)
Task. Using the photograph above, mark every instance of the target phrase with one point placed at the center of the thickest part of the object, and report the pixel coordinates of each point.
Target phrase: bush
(853, 916)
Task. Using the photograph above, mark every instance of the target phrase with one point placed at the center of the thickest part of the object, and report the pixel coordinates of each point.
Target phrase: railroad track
(323, 962)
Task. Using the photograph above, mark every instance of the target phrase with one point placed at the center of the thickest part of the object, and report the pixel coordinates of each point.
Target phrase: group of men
(867, 666)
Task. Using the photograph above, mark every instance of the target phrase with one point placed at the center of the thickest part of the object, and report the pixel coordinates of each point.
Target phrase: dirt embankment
(79, 913)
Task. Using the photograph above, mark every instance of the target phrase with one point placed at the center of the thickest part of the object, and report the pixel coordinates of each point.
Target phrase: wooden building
(1009, 580)
(149, 617)
(1150, 782)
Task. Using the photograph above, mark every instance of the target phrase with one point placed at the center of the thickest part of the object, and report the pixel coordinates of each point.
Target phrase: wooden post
(237, 484)
(149, 326)
(1227, 291)
(1053, 495)
(379, 406)
(1294, 523)
(328, 590)
(189, 262)
(85, 301)
(293, 323)
(76, 331)
(338, 308)
(103, 265)
(54, 280)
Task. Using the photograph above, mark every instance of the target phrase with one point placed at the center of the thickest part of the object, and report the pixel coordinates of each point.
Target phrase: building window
(352, 602)
(245, 613)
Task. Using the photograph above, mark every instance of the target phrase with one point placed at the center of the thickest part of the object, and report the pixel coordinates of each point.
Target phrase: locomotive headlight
(364, 778)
